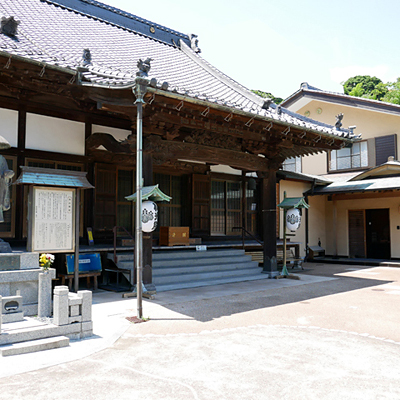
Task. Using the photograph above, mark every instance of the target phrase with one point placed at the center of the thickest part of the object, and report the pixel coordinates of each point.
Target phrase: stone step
(180, 254)
(190, 254)
(207, 275)
(209, 268)
(34, 346)
(208, 282)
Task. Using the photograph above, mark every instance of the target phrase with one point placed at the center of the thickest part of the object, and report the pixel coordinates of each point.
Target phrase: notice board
(52, 220)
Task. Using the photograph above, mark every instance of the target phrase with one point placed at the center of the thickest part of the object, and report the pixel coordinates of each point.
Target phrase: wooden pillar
(269, 222)
(147, 237)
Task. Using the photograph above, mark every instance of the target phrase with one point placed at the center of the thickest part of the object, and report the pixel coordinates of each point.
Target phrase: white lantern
(293, 219)
(149, 216)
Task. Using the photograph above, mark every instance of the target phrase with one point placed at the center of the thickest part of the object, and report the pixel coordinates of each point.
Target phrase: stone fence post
(60, 305)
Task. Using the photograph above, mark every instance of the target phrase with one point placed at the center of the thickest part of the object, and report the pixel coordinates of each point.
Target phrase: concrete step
(203, 276)
(208, 268)
(34, 346)
(180, 254)
(187, 285)
(190, 254)
(242, 258)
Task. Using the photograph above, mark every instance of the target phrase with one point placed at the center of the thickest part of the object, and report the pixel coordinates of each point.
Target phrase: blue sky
(274, 45)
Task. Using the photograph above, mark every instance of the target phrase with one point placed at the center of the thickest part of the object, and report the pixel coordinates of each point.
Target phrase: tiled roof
(367, 185)
(55, 32)
(341, 98)
(318, 179)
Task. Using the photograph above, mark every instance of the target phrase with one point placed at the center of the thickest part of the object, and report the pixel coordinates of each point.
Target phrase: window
(170, 214)
(292, 164)
(349, 157)
(251, 210)
(125, 183)
(226, 208)
(385, 147)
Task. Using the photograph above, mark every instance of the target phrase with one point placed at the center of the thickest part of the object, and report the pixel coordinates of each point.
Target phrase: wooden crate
(174, 235)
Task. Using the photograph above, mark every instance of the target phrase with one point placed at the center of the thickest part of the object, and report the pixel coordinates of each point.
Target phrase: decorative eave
(152, 193)
(53, 177)
(293, 202)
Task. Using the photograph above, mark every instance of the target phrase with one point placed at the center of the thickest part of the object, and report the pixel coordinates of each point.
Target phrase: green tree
(357, 91)
(276, 100)
(379, 92)
(393, 93)
(368, 83)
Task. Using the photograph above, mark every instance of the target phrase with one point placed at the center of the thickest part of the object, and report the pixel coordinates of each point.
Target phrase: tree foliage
(366, 86)
(368, 83)
(267, 95)
(393, 92)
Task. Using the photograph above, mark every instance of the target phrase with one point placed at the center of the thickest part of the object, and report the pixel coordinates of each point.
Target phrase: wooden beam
(164, 150)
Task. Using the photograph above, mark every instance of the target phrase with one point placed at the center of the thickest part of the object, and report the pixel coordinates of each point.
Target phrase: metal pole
(76, 258)
(138, 214)
(284, 269)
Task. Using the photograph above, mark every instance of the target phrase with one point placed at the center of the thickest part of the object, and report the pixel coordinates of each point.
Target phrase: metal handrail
(244, 230)
(115, 230)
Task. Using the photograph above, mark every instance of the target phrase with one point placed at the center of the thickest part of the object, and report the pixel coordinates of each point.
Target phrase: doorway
(378, 233)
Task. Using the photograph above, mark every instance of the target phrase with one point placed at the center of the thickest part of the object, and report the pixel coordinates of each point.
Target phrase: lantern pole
(140, 89)
(284, 269)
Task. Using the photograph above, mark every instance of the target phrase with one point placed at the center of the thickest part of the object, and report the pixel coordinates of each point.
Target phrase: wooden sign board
(52, 220)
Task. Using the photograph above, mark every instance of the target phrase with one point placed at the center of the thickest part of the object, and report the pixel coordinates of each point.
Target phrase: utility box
(315, 252)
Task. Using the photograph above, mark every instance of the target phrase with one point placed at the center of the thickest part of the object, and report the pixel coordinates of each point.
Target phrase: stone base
(17, 261)
(26, 281)
(271, 274)
(12, 317)
(5, 247)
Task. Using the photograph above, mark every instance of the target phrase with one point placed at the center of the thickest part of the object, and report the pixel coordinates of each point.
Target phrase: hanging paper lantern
(149, 216)
(293, 219)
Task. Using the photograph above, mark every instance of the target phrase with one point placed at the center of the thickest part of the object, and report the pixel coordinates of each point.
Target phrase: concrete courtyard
(333, 334)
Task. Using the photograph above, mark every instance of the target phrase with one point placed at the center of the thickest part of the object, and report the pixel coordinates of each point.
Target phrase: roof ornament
(144, 67)
(9, 26)
(339, 119)
(351, 129)
(194, 43)
(86, 58)
(266, 104)
(279, 110)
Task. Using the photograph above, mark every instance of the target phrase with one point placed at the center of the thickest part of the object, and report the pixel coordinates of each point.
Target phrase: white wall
(9, 126)
(55, 134)
(119, 134)
(225, 169)
(315, 164)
